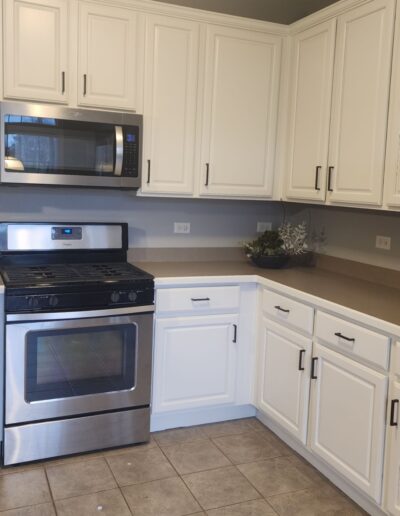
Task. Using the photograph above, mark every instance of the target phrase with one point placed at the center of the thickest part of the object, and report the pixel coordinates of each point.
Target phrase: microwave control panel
(131, 151)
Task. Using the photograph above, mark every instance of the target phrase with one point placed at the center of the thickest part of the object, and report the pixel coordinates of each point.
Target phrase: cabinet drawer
(288, 311)
(353, 339)
(198, 299)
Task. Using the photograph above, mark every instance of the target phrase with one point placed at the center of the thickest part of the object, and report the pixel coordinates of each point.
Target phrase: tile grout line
(118, 486)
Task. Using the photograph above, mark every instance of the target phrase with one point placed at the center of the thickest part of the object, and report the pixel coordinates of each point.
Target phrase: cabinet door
(312, 76)
(194, 362)
(360, 103)
(348, 419)
(36, 49)
(170, 99)
(284, 379)
(241, 94)
(107, 56)
(393, 453)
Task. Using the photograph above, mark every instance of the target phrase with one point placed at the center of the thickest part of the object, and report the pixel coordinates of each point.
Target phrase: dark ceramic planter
(270, 262)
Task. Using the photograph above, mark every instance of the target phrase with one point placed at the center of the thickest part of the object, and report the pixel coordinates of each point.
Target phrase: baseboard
(199, 416)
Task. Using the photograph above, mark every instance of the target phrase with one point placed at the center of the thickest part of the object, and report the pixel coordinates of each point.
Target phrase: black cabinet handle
(207, 174)
(301, 356)
(317, 170)
(63, 82)
(234, 333)
(282, 309)
(395, 403)
(84, 83)
(330, 171)
(200, 298)
(313, 362)
(338, 334)
(148, 170)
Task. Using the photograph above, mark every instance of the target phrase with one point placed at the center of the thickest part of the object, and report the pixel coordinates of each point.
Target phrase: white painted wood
(108, 56)
(392, 477)
(395, 358)
(360, 103)
(368, 345)
(194, 362)
(310, 107)
(197, 300)
(36, 49)
(283, 390)
(291, 312)
(348, 406)
(241, 94)
(170, 101)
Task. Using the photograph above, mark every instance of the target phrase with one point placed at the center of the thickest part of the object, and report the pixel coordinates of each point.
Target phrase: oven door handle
(119, 150)
(82, 314)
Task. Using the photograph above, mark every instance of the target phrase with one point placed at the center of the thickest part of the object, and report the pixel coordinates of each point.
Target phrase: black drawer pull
(63, 82)
(338, 334)
(313, 362)
(282, 309)
(84, 83)
(148, 170)
(301, 356)
(317, 170)
(330, 172)
(395, 403)
(200, 298)
(234, 333)
(207, 174)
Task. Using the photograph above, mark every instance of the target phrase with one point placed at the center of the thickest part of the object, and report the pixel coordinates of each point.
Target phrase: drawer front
(353, 339)
(198, 299)
(288, 311)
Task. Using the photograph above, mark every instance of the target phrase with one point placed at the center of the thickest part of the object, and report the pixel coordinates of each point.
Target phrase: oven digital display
(130, 138)
(66, 233)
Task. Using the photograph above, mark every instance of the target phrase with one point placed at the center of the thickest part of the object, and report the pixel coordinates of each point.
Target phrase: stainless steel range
(78, 340)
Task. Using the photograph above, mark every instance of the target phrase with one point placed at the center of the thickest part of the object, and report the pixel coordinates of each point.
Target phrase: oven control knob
(132, 296)
(53, 301)
(115, 297)
(33, 302)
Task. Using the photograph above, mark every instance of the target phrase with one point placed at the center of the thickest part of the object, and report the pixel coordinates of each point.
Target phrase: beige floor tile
(139, 466)
(253, 508)
(227, 428)
(255, 423)
(106, 503)
(326, 501)
(275, 476)
(220, 487)
(195, 456)
(273, 439)
(22, 489)
(129, 449)
(43, 509)
(302, 465)
(78, 478)
(248, 447)
(169, 497)
(179, 435)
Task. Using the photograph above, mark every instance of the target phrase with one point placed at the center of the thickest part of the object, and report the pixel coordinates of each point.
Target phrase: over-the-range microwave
(53, 145)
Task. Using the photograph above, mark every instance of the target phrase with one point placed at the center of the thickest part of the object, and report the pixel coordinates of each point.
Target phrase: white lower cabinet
(195, 360)
(393, 455)
(348, 406)
(284, 379)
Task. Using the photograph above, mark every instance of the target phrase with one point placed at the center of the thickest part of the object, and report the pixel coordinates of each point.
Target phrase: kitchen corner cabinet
(393, 455)
(170, 102)
(36, 50)
(195, 361)
(108, 57)
(346, 392)
(284, 378)
(240, 104)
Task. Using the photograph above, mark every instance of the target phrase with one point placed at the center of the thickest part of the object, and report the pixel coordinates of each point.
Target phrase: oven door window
(78, 362)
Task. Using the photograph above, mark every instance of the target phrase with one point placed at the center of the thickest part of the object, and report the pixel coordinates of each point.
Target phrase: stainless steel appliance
(78, 340)
(53, 145)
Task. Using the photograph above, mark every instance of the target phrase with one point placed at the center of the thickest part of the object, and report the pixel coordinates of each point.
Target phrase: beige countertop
(369, 298)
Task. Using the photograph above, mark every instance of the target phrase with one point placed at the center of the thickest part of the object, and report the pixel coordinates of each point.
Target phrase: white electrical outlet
(383, 242)
(182, 227)
(264, 226)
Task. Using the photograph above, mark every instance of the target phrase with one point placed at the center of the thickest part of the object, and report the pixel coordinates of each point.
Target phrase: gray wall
(279, 11)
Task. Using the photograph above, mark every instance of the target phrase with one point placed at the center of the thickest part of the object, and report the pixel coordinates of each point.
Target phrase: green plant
(288, 240)
(267, 244)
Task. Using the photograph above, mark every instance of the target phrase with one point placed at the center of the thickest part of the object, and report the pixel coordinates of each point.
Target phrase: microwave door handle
(119, 150)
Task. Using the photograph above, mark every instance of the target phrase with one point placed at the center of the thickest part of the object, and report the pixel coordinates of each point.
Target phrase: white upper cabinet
(36, 50)
(240, 104)
(360, 103)
(310, 108)
(170, 101)
(107, 57)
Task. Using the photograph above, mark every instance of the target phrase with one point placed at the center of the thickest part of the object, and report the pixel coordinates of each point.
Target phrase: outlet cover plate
(383, 242)
(182, 227)
(264, 226)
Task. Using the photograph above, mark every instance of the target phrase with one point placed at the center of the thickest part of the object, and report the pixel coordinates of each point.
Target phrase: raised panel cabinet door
(392, 479)
(312, 76)
(170, 100)
(360, 104)
(195, 362)
(107, 56)
(240, 104)
(284, 377)
(348, 405)
(36, 50)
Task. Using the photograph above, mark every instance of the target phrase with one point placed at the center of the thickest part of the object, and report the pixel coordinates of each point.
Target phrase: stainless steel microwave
(53, 145)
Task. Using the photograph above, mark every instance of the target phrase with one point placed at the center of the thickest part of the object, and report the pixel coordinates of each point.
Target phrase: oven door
(61, 368)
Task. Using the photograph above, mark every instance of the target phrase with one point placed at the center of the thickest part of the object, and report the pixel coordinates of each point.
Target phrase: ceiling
(279, 11)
